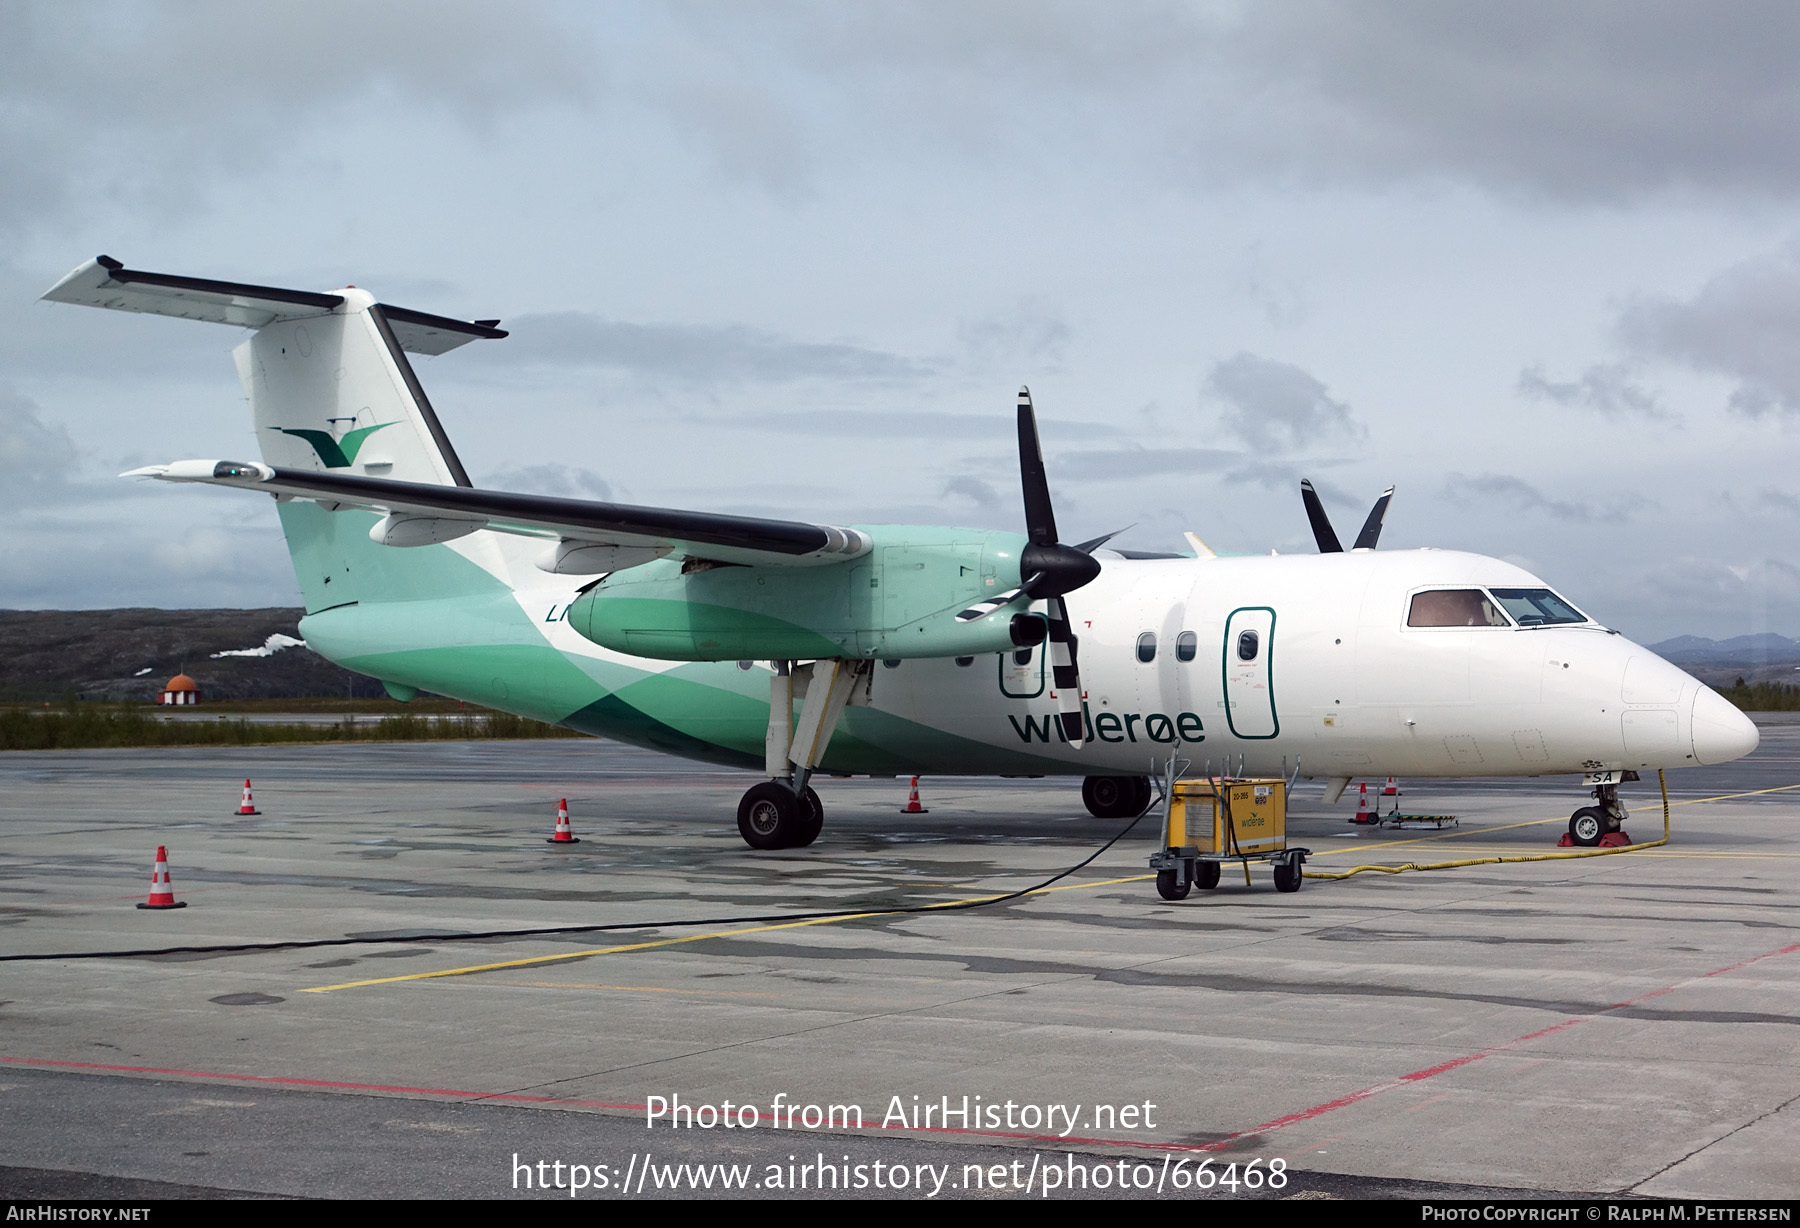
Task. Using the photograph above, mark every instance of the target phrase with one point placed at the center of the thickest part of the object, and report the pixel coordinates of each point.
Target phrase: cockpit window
(1537, 607)
(1454, 607)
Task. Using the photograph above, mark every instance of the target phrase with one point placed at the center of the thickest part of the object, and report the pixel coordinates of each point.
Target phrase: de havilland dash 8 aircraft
(802, 648)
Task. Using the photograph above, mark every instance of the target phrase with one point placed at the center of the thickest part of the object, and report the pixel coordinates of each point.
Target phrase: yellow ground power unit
(1210, 821)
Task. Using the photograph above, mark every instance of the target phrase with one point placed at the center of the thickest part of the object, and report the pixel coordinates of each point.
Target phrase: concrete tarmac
(1621, 1025)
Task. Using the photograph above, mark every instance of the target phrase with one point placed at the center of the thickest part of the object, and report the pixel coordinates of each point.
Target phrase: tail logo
(336, 453)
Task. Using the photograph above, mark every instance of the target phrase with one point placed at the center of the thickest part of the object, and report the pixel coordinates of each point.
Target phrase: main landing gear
(784, 812)
(1591, 824)
(1116, 797)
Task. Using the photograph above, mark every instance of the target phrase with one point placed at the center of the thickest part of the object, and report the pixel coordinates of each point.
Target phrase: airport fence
(94, 726)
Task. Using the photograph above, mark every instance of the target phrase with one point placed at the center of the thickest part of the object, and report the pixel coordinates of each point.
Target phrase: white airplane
(909, 649)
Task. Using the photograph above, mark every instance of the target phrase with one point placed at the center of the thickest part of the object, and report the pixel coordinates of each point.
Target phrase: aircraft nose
(1721, 732)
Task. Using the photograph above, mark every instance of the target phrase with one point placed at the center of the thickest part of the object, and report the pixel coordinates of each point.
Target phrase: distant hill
(1755, 658)
(131, 654)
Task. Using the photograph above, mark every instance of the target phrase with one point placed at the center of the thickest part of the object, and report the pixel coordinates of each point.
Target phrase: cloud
(38, 461)
(123, 102)
(1033, 332)
(561, 481)
(1597, 103)
(973, 489)
(700, 353)
(1522, 495)
(1741, 324)
(1276, 406)
(1114, 464)
(1606, 389)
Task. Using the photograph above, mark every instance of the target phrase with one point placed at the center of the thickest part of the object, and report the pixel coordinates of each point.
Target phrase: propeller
(1321, 523)
(1052, 569)
(1049, 570)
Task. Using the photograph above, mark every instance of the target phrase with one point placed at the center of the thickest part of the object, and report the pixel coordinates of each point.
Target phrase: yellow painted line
(1482, 831)
(854, 916)
(703, 993)
(686, 938)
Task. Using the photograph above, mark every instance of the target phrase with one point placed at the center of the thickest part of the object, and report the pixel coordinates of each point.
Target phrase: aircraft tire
(1287, 874)
(811, 823)
(1206, 875)
(1102, 795)
(769, 815)
(1587, 825)
(1168, 888)
(1141, 793)
(1115, 797)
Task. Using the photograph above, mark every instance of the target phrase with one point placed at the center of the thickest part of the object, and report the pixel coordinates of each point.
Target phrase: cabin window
(965, 661)
(1454, 607)
(1248, 645)
(1186, 644)
(1146, 647)
(1022, 657)
(1537, 607)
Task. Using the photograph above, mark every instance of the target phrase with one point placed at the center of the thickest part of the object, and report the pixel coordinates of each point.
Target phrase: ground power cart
(1209, 822)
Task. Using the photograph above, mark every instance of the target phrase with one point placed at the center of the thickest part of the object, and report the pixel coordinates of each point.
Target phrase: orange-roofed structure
(181, 690)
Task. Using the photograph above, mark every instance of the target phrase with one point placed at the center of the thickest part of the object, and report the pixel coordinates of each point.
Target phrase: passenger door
(1248, 654)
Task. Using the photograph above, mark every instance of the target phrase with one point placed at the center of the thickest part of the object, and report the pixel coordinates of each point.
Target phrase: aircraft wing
(418, 513)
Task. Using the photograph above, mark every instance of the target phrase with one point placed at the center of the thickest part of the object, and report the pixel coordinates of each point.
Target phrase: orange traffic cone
(563, 834)
(247, 806)
(162, 892)
(1392, 788)
(1364, 815)
(912, 803)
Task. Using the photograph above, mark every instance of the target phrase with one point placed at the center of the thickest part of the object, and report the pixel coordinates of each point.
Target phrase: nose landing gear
(1592, 824)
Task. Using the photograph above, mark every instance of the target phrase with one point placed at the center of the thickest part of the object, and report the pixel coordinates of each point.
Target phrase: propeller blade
(1321, 523)
(1088, 547)
(1371, 530)
(981, 609)
(1065, 677)
(1040, 520)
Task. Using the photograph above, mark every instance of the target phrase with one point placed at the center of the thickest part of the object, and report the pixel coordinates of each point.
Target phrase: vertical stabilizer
(336, 392)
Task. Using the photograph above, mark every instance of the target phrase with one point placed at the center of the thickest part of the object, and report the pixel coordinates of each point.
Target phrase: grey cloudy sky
(1534, 263)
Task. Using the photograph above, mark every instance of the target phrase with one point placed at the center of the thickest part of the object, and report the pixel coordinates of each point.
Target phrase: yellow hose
(1490, 861)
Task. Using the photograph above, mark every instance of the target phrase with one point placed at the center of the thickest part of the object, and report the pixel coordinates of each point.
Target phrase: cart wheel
(1206, 875)
(1168, 888)
(1287, 874)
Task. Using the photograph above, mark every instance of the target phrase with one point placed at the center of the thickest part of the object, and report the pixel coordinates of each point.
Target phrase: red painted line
(1417, 1076)
(1229, 1140)
(333, 1084)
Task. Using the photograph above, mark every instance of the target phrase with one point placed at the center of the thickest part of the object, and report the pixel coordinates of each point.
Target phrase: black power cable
(306, 943)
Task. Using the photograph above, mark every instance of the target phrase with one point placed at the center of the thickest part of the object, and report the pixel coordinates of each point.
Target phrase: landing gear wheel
(1168, 888)
(1206, 875)
(769, 815)
(1115, 797)
(812, 822)
(1102, 795)
(1141, 793)
(1587, 825)
(1287, 874)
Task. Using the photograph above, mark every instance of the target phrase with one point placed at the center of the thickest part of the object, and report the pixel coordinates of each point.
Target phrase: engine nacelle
(899, 600)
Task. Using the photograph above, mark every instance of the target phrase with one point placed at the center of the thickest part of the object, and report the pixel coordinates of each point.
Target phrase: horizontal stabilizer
(105, 282)
(751, 541)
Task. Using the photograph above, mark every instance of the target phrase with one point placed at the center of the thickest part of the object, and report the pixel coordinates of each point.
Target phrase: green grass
(1763, 696)
(89, 726)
